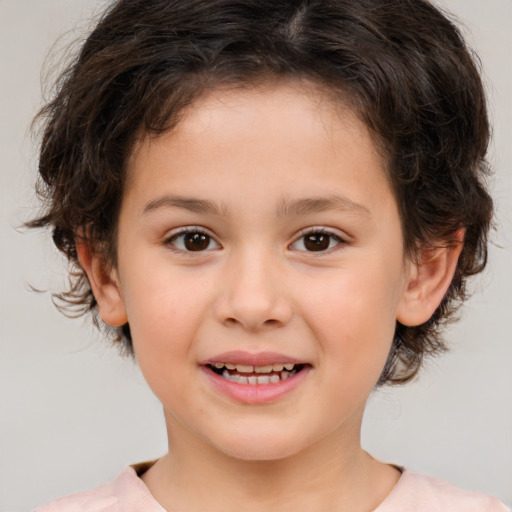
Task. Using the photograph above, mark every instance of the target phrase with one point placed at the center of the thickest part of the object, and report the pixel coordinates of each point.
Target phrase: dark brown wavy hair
(402, 65)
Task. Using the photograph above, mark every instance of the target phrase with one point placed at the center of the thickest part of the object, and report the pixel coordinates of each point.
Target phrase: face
(261, 270)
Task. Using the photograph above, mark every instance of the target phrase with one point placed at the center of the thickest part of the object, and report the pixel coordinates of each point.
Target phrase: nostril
(253, 312)
(271, 322)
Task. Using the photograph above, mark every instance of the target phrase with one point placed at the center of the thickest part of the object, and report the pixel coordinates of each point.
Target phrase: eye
(317, 241)
(192, 240)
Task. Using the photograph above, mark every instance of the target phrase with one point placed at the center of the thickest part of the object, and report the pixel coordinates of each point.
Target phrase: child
(275, 207)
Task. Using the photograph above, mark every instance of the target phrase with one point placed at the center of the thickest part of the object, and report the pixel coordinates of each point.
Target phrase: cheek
(163, 329)
(352, 301)
(354, 318)
(161, 297)
(164, 311)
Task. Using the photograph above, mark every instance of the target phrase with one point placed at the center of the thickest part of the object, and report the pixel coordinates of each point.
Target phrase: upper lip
(252, 359)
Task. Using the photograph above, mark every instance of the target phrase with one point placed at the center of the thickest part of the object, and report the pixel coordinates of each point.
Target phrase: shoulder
(420, 493)
(100, 499)
(126, 493)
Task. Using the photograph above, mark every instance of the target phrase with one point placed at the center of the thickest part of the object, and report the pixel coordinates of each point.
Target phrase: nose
(252, 294)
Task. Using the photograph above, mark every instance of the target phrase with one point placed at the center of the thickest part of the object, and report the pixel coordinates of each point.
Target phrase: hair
(402, 65)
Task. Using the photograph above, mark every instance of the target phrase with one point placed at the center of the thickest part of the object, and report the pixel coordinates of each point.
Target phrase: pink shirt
(413, 493)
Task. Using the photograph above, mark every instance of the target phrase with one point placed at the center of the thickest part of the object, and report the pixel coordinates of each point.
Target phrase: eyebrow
(185, 203)
(287, 208)
(311, 205)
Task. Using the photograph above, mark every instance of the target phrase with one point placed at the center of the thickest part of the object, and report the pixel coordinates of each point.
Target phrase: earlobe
(428, 280)
(105, 286)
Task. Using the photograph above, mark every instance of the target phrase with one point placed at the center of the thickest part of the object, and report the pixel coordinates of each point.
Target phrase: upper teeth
(245, 368)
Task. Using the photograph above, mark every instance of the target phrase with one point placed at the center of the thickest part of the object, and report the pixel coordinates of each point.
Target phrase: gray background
(72, 413)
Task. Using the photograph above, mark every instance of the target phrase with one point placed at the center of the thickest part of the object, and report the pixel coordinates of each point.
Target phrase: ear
(105, 285)
(428, 280)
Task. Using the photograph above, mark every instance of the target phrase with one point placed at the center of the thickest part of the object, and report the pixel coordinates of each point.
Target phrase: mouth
(255, 378)
(255, 375)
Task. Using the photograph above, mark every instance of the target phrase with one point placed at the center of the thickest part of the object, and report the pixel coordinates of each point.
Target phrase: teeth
(273, 373)
(263, 369)
(242, 368)
(257, 379)
(245, 368)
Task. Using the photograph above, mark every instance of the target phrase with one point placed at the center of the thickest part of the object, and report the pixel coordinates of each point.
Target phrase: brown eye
(196, 241)
(193, 241)
(317, 242)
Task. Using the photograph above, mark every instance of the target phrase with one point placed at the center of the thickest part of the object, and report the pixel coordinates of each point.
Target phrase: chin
(261, 446)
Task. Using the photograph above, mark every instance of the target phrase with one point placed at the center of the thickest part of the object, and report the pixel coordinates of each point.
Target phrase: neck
(332, 474)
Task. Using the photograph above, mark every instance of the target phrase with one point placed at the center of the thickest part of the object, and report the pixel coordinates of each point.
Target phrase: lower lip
(256, 393)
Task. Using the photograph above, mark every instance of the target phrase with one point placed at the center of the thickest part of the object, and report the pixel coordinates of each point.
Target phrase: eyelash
(332, 237)
(323, 232)
(170, 241)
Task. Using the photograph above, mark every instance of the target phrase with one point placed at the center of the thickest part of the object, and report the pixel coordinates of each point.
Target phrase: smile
(255, 375)
(255, 378)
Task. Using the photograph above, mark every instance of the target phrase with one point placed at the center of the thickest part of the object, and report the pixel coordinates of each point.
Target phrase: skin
(256, 287)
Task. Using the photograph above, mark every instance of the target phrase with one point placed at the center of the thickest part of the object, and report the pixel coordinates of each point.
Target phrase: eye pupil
(316, 242)
(196, 241)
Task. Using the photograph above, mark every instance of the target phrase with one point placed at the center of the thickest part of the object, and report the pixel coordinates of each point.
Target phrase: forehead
(288, 98)
(300, 106)
(291, 132)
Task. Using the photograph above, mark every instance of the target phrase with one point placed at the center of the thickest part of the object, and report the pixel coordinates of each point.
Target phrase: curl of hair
(401, 64)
